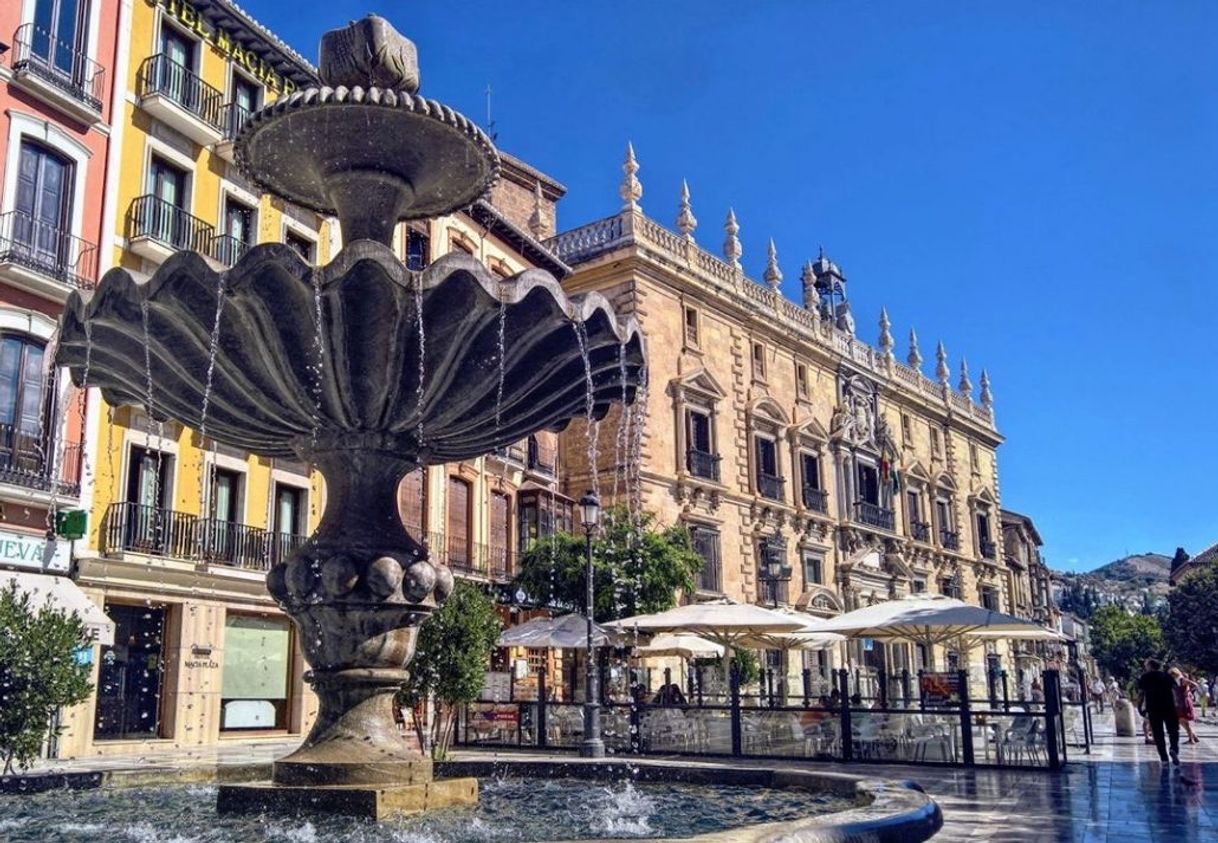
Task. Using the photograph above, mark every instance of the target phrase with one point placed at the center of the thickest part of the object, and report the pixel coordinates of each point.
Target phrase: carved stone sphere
(444, 583)
(301, 577)
(339, 576)
(369, 53)
(420, 580)
(383, 576)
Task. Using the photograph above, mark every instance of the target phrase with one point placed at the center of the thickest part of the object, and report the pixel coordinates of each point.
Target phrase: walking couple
(1166, 699)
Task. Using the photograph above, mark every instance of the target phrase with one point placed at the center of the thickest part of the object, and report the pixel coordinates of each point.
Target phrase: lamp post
(593, 746)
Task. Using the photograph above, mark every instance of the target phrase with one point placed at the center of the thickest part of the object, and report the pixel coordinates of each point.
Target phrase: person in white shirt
(1097, 692)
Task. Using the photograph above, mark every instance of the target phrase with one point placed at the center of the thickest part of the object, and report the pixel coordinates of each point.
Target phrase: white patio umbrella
(720, 621)
(928, 619)
(813, 635)
(684, 646)
(568, 631)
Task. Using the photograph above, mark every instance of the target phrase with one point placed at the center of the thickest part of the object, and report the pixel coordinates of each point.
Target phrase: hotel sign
(222, 41)
(34, 553)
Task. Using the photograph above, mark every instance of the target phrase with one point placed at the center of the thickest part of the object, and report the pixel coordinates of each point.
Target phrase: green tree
(1121, 641)
(637, 567)
(1192, 619)
(451, 658)
(39, 673)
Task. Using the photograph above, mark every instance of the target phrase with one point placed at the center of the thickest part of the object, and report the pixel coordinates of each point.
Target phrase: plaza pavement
(1117, 794)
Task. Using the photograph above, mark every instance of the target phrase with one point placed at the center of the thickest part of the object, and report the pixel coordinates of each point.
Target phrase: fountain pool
(509, 809)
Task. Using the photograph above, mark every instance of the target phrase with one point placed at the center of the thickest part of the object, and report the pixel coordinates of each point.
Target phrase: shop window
(130, 675)
(254, 687)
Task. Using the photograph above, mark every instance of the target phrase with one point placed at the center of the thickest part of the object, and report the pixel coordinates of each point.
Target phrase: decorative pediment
(917, 471)
(984, 496)
(820, 601)
(699, 382)
(945, 481)
(769, 410)
(810, 428)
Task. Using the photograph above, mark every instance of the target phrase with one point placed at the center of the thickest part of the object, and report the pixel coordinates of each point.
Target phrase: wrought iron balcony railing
(873, 514)
(28, 460)
(162, 75)
(47, 249)
(815, 499)
(232, 118)
(227, 249)
(949, 539)
(180, 535)
(920, 530)
(702, 464)
(39, 53)
(769, 486)
(151, 216)
(988, 549)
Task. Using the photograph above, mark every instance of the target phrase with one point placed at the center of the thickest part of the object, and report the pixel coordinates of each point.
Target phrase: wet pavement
(1120, 793)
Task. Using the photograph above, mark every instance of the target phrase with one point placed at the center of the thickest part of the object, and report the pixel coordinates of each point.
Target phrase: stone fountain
(366, 370)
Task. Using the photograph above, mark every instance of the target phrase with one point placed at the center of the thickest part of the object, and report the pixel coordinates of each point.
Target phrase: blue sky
(1036, 183)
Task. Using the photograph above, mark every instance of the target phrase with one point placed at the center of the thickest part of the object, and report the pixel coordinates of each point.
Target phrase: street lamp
(593, 746)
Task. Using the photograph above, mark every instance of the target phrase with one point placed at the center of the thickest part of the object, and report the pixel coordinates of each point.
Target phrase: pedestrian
(1185, 710)
(1038, 693)
(1097, 692)
(1157, 702)
(1114, 691)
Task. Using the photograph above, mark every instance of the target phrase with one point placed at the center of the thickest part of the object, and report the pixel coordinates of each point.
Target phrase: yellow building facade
(812, 469)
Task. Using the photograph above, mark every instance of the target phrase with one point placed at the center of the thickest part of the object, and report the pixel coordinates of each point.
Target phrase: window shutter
(412, 500)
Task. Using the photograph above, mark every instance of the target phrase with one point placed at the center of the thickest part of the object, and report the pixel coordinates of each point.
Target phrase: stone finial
(915, 357)
(807, 280)
(731, 244)
(987, 397)
(943, 373)
(631, 190)
(537, 221)
(686, 221)
(886, 343)
(369, 53)
(965, 385)
(773, 275)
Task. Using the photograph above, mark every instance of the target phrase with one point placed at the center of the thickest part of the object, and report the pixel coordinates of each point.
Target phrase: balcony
(540, 460)
(815, 499)
(158, 229)
(502, 562)
(513, 454)
(702, 464)
(177, 97)
(769, 486)
(136, 528)
(920, 531)
(949, 539)
(27, 460)
(232, 117)
(873, 514)
(43, 259)
(988, 549)
(226, 249)
(58, 74)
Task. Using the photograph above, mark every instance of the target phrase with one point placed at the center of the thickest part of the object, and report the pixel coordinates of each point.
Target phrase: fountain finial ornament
(365, 369)
(773, 275)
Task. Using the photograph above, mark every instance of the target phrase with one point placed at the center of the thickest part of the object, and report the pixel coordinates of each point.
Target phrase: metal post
(1053, 708)
(883, 676)
(593, 746)
(807, 686)
(698, 673)
(966, 719)
(667, 679)
(636, 719)
(1006, 693)
(843, 683)
(905, 685)
(541, 708)
(734, 687)
(921, 694)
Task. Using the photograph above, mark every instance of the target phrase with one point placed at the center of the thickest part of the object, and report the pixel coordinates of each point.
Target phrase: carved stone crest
(369, 52)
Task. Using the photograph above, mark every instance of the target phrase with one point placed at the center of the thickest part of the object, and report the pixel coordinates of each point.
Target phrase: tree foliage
(1121, 641)
(1079, 599)
(1192, 619)
(39, 673)
(637, 567)
(451, 656)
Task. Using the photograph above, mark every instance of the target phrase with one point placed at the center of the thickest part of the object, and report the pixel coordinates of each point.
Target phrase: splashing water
(500, 355)
(209, 449)
(418, 395)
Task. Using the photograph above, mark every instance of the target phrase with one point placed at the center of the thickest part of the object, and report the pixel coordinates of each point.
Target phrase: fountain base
(374, 802)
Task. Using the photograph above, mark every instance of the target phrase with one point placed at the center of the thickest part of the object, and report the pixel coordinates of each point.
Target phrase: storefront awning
(62, 593)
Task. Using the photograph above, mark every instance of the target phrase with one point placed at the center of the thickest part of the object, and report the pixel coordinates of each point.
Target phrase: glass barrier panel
(495, 723)
(791, 732)
(1015, 739)
(564, 724)
(903, 735)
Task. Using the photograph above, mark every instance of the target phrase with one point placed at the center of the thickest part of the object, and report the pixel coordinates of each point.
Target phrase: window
(164, 221)
(541, 513)
(972, 457)
(289, 510)
(458, 244)
(60, 34)
(176, 69)
(989, 597)
(23, 390)
(246, 99)
(691, 326)
(542, 453)
(225, 495)
(769, 484)
(238, 234)
(459, 550)
(701, 459)
(43, 208)
(129, 675)
(254, 679)
(936, 447)
(303, 246)
(801, 380)
(919, 530)
(985, 543)
(814, 496)
(773, 572)
(814, 565)
(412, 503)
(868, 484)
(418, 249)
(906, 429)
(501, 535)
(758, 360)
(950, 586)
(919, 586)
(706, 544)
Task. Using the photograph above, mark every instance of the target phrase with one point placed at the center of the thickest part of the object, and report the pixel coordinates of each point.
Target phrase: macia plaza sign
(34, 553)
(222, 41)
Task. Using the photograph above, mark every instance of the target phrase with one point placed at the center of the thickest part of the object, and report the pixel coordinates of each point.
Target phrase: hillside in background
(1138, 582)
(1144, 569)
